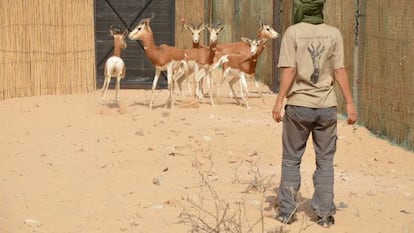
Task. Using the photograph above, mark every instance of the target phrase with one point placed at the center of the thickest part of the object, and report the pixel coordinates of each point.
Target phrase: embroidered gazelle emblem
(315, 53)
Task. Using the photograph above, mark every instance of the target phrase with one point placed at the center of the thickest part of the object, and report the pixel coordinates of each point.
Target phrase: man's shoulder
(305, 30)
(331, 27)
(299, 26)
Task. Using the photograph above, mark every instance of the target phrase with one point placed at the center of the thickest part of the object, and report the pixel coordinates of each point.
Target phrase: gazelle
(115, 66)
(195, 38)
(240, 47)
(204, 58)
(201, 59)
(265, 31)
(163, 57)
(240, 66)
(195, 33)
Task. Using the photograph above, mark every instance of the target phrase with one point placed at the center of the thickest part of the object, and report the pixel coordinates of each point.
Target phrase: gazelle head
(195, 31)
(214, 32)
(142, 28)
(254, 44)
(267, 31)
(119, 36)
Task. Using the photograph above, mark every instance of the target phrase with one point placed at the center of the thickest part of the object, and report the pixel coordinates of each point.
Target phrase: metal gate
(139, 71)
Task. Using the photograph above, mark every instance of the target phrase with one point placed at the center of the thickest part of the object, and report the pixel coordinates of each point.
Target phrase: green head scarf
(309, 11)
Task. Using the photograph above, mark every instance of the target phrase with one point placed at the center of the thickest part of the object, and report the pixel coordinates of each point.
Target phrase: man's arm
(288, 75)
(342, 80)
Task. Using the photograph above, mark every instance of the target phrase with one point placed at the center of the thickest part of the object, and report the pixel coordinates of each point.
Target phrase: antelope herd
(235, 61)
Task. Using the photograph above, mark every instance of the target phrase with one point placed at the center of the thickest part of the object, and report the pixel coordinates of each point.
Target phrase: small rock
(254, 153)
(255, 202)
(134, 223)
(139, 133)
(404, 212)
(342, 205)
(207, 138)
(32, 222)
(158, 180)
(158, 206)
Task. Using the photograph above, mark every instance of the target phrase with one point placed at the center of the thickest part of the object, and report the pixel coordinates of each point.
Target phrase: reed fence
(46, 47)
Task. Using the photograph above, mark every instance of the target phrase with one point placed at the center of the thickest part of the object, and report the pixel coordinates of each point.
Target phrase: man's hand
(352, 114)
(277, 112)
(288, 76)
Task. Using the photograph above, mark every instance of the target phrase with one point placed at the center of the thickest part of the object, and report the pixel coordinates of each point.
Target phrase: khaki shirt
(315, 51)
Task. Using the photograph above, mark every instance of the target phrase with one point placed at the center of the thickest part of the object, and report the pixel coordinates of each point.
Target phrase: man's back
(315, 51)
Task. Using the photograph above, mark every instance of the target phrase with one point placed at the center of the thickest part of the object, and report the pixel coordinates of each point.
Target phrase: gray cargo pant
(298, 123)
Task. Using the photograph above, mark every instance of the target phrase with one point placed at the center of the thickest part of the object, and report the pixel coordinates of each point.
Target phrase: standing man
(311, 58)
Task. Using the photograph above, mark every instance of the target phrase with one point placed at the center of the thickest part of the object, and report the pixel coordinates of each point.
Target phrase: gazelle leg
(243, 87)
(179, 77)
(231, 83)
(105, 87)
(209, 85)
(221, 81)
(258, 89)
(154, 85)
(197, 81)
(190, 89)
(170, 100)
(117, 87)
(221, 77)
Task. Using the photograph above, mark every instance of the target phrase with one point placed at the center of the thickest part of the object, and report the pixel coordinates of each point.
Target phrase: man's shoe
(326, 222)
(286, 218)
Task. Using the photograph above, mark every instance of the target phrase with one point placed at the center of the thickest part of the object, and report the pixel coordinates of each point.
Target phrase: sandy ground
(69, 164)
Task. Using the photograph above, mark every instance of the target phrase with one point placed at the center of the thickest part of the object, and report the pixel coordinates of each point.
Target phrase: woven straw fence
(46, 47)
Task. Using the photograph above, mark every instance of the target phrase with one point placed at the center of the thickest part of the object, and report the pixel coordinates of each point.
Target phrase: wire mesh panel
(387, 86)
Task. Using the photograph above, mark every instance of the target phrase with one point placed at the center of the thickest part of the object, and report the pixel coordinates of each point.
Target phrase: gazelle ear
(263, 41)
(111, 30)
(246, 40)
(221, 28)
(125, 33)
(147, 24)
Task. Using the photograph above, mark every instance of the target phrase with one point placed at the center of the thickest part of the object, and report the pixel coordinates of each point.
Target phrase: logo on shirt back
(315, 53)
